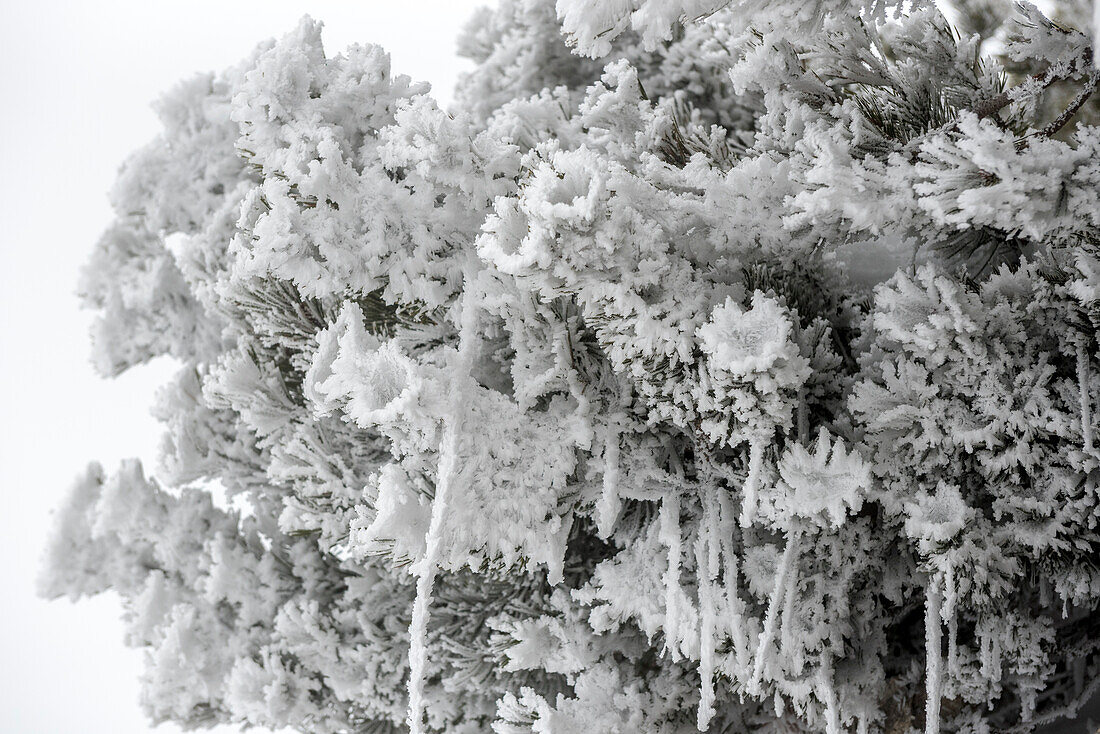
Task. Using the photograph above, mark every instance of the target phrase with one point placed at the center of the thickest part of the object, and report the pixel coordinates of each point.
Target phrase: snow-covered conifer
(718, 366)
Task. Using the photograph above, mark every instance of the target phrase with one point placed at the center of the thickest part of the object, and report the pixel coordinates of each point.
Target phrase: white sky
(76, 80)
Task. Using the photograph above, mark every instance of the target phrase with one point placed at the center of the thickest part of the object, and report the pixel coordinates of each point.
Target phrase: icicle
(706, 574)
(706, 564)
(607, 509)
(670, 536)
(802, 418)
(426, 580)
(429, 564)
(1028, 697)
(934, 659)
(949, 611)
(711, 525)
(861, 725)
(752, 481)
(783, 577)
(828, 697)
(734, 605)
(786, 629)
(1083, 383)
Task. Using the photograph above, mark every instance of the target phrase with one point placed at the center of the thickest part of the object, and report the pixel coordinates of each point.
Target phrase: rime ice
(738, 372)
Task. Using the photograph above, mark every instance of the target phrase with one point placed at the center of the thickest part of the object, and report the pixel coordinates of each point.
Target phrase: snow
(426, 571)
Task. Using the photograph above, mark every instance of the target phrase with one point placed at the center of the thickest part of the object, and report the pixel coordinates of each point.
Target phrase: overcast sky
(76, 82)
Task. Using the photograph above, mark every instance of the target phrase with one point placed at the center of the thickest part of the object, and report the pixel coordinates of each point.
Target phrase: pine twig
(1078, 102)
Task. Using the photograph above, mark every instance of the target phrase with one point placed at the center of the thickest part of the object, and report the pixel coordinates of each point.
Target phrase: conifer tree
(709, 366)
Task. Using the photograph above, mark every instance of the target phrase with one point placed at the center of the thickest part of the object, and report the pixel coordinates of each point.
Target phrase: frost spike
(951, 597)
(828, 693)
(752, 481)
(735, 621)
(785, 631)
(932, 640)
(706, 568)
(670, 536)
(418, 627)
(608, 507)
(782, 578)
(1083, 382)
